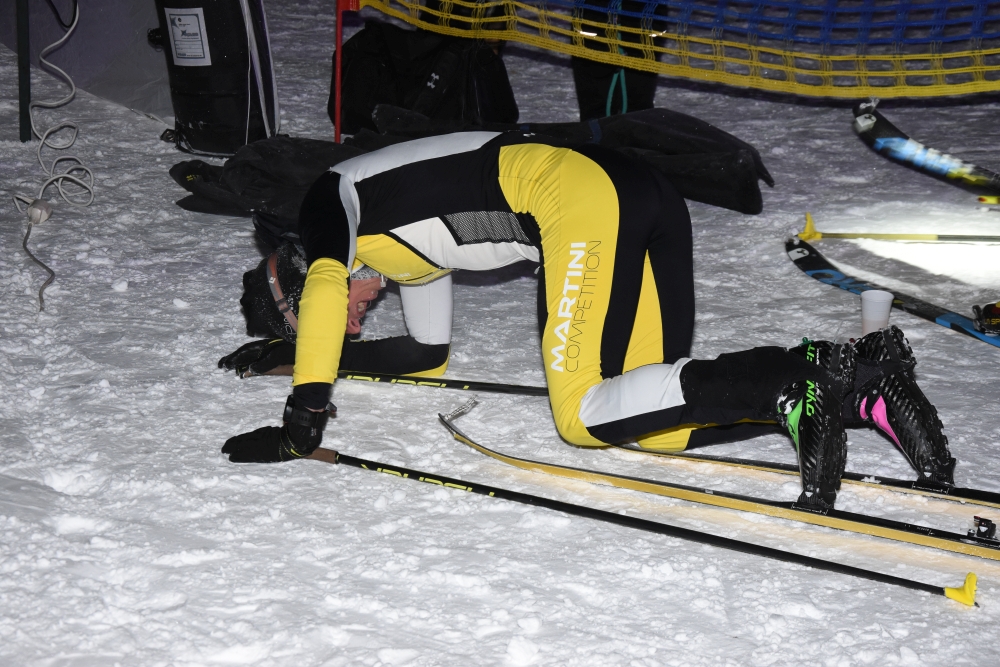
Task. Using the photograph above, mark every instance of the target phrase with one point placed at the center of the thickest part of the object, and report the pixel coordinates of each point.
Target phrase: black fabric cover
(447, 78)
(266, 180)
(704, 163)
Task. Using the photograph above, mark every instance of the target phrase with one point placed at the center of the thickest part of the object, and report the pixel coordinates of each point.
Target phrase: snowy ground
(127, 539)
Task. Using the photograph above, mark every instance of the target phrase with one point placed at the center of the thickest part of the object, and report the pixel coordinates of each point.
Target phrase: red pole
(342, 6)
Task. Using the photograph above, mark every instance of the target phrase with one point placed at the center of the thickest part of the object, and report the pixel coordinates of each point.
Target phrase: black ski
(927, 488)
(889, 141)
(817, 266)
(965, 594)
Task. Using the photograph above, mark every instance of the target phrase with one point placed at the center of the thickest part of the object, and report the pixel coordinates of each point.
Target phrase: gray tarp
(107, 55)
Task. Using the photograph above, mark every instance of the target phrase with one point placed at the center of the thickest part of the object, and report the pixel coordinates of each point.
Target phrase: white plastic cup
(875, 307)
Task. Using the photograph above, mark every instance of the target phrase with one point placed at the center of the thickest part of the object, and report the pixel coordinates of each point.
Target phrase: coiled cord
(73, 169)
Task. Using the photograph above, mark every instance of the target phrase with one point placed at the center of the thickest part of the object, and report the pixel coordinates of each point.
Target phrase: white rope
(74, 170)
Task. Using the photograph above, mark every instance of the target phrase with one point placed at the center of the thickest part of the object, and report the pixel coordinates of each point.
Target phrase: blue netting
(833, 22)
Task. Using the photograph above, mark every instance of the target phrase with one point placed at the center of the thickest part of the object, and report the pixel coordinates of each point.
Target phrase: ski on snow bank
(848, 521)
(890, 142)
(817, 266)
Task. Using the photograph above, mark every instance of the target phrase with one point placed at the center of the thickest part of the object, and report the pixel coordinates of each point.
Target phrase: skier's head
(272, 291)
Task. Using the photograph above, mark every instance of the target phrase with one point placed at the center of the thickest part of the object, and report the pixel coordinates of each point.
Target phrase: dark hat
(271, 294)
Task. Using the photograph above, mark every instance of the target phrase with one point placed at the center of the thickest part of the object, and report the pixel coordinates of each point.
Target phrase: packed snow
(126, 538)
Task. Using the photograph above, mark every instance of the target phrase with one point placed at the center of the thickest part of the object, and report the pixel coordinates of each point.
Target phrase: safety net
(818, 48)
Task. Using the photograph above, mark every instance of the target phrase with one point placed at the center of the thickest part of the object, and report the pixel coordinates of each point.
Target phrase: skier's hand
(269, 444)
(261, 357)
(298, 438)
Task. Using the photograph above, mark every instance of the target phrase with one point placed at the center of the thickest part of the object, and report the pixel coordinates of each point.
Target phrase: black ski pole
(966, 594)
(444, 383)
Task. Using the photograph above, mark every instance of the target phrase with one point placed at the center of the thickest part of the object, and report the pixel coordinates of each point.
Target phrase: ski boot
(987, 319)
(811, 412)
(776, 384)
(886, 394)
(837, 358)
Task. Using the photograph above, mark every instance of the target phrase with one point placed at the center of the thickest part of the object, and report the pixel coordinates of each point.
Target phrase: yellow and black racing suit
(613, 237)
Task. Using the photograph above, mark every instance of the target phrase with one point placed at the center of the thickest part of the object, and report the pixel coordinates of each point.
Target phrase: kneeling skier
(616, 304)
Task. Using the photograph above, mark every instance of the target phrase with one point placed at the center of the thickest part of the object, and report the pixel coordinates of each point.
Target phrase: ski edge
(955, 494)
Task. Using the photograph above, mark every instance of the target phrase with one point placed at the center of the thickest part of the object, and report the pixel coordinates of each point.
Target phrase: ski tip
(810, 233)
(985, 199)
(966, 593)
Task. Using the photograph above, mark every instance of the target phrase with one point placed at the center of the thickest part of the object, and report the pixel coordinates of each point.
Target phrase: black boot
(886, 394)
(811, 413)
(775, 384)
(837, 358)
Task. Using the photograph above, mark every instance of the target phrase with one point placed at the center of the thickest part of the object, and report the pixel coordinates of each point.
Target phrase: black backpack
(266, 180)
(443, 78)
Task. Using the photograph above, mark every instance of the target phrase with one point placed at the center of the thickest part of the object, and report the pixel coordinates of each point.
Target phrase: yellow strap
(663, 489)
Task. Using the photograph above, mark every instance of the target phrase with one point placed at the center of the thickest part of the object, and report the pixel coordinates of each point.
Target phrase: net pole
(342, 6)
(23, 71)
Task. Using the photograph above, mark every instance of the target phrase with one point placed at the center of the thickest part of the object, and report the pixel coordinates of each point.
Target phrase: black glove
(260, 357)
(299, 437)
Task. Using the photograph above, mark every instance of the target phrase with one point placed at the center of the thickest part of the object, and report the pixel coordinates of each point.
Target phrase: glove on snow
(298, 438)
(260, 357)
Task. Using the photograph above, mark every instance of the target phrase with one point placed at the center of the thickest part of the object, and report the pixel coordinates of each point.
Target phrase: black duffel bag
(443, 78)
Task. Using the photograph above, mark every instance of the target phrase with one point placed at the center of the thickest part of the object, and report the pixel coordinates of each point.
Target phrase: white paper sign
(188, 39)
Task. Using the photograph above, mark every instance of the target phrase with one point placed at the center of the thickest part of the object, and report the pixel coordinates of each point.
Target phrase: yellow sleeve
(322, 322)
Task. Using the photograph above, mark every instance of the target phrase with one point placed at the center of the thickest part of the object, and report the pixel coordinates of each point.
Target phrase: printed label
(575, 304)
(188, 39)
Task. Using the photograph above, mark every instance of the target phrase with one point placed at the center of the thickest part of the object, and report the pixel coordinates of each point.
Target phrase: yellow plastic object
(989, 200)
(966, 593)
(810, 233)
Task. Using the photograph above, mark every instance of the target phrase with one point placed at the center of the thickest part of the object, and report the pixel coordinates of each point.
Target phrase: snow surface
(127, 539)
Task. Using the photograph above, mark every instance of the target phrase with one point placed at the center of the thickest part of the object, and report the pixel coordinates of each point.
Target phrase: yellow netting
(899, 70)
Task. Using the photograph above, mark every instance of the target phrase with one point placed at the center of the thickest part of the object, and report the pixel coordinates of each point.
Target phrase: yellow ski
(848, 521)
